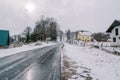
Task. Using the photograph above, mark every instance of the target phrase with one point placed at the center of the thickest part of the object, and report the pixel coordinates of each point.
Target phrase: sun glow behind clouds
(30, 7)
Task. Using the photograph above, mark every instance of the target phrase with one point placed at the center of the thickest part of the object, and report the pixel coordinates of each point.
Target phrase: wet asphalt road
(38, 64)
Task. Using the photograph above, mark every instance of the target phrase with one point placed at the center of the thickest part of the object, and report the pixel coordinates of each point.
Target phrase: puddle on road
(32, 74)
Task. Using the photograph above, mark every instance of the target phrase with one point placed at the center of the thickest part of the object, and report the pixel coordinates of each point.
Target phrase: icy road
(37, 64)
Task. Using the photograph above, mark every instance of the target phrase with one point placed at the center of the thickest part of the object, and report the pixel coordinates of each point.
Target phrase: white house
(114, 31)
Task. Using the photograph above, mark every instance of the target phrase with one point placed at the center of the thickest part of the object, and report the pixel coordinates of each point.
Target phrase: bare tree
(40, 30)
(100, 36)
(46, 27)
(68, 34)
(60, 34)
(53, 29)
(27, 33)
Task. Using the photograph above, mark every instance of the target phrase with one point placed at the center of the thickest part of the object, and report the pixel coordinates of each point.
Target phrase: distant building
(4, 38)
(72, 37)
(114, 31)
(83, 35)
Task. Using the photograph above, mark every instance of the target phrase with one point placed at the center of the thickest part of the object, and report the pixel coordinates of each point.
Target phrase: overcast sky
(92, 15)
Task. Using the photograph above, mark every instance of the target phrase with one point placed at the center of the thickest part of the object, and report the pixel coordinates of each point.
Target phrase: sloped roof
(113, 25)
(4, 37)
(85, 32)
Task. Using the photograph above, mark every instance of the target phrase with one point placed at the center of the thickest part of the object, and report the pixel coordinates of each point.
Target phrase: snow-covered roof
(85, 32)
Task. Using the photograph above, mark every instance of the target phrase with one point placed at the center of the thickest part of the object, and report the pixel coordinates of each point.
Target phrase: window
(114, 39)
(116, 31)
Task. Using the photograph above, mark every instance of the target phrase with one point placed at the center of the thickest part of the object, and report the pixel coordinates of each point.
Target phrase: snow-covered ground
(93, 64)
(10, 51)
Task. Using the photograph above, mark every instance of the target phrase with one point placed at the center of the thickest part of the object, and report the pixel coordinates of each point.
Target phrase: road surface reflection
(32, 74)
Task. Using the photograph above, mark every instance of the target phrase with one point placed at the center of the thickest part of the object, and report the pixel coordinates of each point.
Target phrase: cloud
(93, 15)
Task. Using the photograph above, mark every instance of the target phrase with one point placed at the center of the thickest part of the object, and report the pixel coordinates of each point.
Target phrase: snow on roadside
(10, 51)
(68, 67)
(94, 64)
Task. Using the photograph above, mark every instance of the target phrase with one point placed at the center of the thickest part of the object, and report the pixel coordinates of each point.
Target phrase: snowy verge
(10, 51)
(93, 64)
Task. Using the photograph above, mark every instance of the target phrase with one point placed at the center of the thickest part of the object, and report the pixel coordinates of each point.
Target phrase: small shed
(4, 38)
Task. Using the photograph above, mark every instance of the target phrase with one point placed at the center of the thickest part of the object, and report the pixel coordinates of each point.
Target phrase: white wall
(117, 43)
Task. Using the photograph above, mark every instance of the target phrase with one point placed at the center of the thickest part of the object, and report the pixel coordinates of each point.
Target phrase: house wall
(113, 35)
(86, 38)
